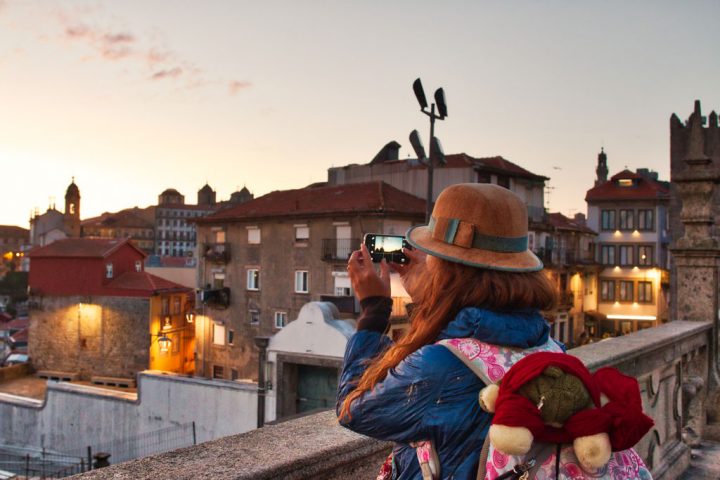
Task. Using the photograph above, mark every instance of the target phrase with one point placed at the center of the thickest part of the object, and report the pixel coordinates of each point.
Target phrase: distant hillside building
(630, 214)
(13, 243)
(54, 225)
(135, 223)
(96, 313)
(266, 258)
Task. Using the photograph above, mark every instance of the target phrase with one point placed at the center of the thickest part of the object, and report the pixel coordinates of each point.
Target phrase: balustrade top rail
(317, 447)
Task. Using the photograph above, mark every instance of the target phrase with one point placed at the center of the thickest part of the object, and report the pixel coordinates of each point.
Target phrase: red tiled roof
(501, 164)
(644, 188)
(11, 231)
(17, 324)
(145, 282)
(561, 222)
(5, 317)
(371, 197)
(81, 248)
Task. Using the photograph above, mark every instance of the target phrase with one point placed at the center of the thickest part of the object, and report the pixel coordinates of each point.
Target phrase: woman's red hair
(450, 288)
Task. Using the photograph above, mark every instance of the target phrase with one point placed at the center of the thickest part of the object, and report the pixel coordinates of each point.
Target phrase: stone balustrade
(662, 359)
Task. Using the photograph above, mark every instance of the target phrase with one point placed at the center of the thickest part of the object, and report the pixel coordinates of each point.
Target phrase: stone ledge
(308, 447)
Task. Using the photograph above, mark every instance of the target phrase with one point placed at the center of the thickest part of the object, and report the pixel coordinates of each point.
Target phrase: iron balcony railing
(217, 252)
(338, 249)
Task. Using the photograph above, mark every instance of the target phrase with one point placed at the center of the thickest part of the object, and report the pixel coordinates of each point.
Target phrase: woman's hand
(412, 274)
(363, 277)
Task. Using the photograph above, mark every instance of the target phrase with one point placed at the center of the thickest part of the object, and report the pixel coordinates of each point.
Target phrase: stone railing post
(696, 268)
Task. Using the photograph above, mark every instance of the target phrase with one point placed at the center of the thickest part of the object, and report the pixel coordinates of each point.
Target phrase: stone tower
(206, 196)
(72, 210)
(602, 169)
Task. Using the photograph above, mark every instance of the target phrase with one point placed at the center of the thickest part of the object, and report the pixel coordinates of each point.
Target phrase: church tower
(72, 210)
(602, 168)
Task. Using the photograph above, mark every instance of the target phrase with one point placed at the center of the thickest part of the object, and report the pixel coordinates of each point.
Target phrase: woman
(479, 281)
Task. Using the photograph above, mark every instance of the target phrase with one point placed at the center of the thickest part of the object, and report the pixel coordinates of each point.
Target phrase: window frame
(253, 279)
(649, 259)
(645, 286)
(254, 316)
(219, 333)
(644, 213)
(623, 287)
(280, 314)
(607, 290)
(608, 220)
(629, 260)
(305, 276)
(306, 231)
(605, 259)
(251, 238)
(626, 219)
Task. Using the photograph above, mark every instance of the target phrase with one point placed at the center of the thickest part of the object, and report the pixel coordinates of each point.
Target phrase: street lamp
(436, 151)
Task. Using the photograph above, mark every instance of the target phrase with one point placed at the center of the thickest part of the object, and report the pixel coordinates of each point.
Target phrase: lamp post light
(436, 151)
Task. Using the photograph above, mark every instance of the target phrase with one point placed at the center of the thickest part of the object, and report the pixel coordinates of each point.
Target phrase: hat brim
(420, 237)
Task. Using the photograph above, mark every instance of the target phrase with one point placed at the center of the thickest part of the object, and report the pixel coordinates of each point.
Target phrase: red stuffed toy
(553, 398)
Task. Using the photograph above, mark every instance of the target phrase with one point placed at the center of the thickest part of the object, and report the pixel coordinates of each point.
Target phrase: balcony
(338, 249)
(344, 304)
(217, 252)
(218, 298)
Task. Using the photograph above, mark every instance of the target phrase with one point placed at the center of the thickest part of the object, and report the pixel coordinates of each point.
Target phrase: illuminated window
(218, 334)
(625, 182)
(607, 290)
(645, 294)
(645, 255)
(626, 291)
(607, 220)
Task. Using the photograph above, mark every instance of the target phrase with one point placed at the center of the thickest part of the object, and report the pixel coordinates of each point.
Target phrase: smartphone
(388, 247)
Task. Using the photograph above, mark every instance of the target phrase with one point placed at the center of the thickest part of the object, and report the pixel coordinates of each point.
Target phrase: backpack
(544, 460)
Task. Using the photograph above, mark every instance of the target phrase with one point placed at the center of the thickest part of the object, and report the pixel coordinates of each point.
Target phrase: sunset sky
(133, 97)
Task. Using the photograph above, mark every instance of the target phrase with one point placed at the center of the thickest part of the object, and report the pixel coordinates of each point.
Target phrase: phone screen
(388, 247)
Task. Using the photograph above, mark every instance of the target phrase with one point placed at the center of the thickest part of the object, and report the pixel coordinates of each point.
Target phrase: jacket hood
(517, 328)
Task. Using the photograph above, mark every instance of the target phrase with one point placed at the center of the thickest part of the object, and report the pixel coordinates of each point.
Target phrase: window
(218, 334)
(626, 291)
(645, 255)
(302, 233)
(301, 281)
(503, 181)
(233, 374)
(645, 294)
(626, 255)
(627, 218)
(483, 177)
(253, 279)
(218, 371)
(607, 220)
(607, 290)
(343, 291)
(607, 254)
(138, 265)
(231, 337)
(625, 182)
(254, 316)
(165, 306)
(280, 319)
(176, 305)
(218, 280)
(109, 270)
(645, 220)
(220, 236)
(253, 235)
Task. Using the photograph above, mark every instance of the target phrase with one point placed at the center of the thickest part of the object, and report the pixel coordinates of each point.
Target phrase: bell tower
(602, 168)
(72, 210)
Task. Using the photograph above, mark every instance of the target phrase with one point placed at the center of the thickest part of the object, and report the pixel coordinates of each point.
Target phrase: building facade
(135, 223)
(630, 214)
(264, 259)
(96, 313)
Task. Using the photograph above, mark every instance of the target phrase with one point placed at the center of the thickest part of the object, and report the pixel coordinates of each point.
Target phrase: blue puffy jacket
(431, 394)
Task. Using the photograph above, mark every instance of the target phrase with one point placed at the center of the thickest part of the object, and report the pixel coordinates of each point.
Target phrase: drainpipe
(262, 344)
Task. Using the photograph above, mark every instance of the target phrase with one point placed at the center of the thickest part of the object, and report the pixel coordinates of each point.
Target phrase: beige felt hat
(478, 224)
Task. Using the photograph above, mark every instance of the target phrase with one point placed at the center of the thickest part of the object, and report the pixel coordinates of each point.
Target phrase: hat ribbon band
(464, 234)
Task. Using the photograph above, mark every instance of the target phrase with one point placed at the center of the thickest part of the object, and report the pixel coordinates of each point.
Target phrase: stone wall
(317, 447)
(106, 336)
(72, 416)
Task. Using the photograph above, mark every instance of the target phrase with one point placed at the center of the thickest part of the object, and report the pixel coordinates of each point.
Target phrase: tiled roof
(11, 231)
(81, 248)
(17, 324)
(21, 336)
(643, 188)
(371, 197)
(144, 282)
(561, 222)
(128, 218)
(500, 164)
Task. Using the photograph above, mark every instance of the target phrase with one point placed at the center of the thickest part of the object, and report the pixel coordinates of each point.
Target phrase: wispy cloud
(236, 86)
(120, 44)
